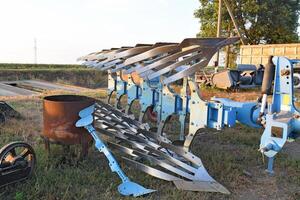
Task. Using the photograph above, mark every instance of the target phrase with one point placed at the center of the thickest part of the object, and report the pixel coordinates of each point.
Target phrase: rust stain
(60, 115)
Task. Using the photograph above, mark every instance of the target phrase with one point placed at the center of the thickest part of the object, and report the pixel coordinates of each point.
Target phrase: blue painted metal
(282, 119)
(127, 187)
(121, 88)
(245, 112)
(184, 108)
(281, 122)
(149, 96)
(204, 114)
(134, 91)
(112, 85)
(270, 165)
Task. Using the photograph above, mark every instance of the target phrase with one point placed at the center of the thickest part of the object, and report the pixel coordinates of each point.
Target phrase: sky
(67, 29)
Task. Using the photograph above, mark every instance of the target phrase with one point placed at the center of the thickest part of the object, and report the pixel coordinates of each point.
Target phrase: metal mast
(35, 51)
(219, 28)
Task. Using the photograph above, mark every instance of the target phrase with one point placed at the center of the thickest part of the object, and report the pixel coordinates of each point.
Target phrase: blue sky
(67, 29)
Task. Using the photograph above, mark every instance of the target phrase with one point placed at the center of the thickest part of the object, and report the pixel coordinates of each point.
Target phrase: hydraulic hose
(266, 88)
(268, 77)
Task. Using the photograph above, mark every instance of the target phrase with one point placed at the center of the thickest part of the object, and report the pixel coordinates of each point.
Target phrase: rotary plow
(161, 77)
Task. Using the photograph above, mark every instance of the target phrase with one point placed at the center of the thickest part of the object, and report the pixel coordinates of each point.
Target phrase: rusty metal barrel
(60, 115)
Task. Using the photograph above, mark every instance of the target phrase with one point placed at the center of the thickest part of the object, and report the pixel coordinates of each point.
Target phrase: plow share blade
(151, 153)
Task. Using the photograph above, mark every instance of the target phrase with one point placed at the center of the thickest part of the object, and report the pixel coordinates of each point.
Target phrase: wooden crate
(258, 54)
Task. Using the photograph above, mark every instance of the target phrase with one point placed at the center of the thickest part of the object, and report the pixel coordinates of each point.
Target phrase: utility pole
(234, 22)
(35, 51)
(228, 47)
(219, 28)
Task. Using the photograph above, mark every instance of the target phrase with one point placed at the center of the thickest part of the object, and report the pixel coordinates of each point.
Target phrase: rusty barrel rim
(67, 98)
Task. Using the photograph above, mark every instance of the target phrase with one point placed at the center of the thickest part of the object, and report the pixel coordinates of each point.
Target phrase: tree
(260, 21)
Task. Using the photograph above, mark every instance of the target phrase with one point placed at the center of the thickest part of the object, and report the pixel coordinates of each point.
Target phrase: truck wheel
(296, 80)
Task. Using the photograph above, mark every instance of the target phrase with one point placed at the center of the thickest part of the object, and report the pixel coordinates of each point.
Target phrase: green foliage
(270, 22)
(19, 196)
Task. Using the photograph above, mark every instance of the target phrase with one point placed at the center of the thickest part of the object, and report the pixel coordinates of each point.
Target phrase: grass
(230, 156)
(67, 74)
(14, 66)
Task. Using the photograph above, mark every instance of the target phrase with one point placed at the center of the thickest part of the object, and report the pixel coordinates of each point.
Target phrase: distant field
(67, 74)
(37, 66)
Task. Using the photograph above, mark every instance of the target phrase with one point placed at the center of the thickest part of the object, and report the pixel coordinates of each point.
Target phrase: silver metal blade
(168, 162)
(150, 170)
(201, 186)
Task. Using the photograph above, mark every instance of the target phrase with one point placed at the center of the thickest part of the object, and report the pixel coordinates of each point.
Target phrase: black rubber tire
(296, 78)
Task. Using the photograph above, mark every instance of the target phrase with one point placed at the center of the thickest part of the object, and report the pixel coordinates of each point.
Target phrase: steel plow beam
(107, 60)
(102, 58)
(134, 51)
(101, 55)
(124, 54)
(187, 46)
(173, 48)
(141, 64)
(173, 66)
(158, 51)
(208, 41)
(88, 57)
(208, 52)
(129, 67)
(105, 65)
(152, 62)
(167, 161)
(94, 55)
(170, 58)
(174, 52)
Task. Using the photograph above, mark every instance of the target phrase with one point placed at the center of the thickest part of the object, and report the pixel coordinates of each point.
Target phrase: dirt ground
(231, 156)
